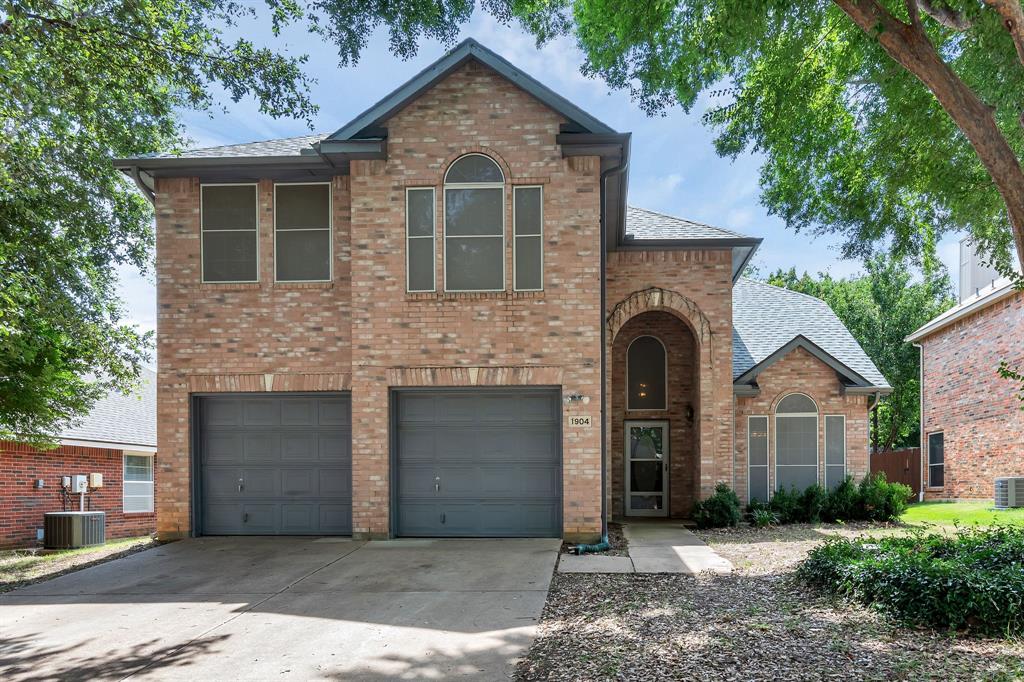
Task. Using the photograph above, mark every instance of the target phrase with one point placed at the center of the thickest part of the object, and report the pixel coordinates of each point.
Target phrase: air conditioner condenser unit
(1009, 492)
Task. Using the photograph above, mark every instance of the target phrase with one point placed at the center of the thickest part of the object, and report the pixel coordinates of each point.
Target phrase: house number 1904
(579, 421)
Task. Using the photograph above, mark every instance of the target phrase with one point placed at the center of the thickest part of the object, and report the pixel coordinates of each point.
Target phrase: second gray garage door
(275, 464)
(478, 463)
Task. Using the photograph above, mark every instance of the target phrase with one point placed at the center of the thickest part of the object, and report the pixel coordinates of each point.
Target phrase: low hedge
(972, 580)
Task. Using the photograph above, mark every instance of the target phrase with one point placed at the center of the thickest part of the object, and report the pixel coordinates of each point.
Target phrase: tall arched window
(646, 371)
(796, 442)
(474, 225)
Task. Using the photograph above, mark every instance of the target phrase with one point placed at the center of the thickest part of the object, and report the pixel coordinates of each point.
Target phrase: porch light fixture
(577, 398)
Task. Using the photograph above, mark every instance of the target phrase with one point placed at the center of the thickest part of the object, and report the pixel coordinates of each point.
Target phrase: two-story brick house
(443, 320)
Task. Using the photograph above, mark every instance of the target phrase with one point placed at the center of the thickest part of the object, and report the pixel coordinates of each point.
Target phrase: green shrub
(883, 501)
(812, 502)
(762, 517)
(971, 580)
(785, 504)
(721, 510)
(843, 503)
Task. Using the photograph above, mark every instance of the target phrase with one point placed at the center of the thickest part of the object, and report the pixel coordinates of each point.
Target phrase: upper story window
(528, 238)
(419, 239)
(474, 225)
(646, 374)
(796, 442)
(230, 239)
(302, 232)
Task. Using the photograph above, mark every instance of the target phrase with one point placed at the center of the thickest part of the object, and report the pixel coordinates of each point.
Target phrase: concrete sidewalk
(654, 547)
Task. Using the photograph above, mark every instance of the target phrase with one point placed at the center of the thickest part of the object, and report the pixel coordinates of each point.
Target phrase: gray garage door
(275, 464)
(479, 463)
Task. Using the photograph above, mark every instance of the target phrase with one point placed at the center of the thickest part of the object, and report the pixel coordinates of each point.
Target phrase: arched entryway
(655, 416)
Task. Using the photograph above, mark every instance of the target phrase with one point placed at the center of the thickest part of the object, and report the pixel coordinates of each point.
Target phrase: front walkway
(654, 547)
(284, 608)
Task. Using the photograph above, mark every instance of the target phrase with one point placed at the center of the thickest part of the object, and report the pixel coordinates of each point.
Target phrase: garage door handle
(241, 485)
(437, 484)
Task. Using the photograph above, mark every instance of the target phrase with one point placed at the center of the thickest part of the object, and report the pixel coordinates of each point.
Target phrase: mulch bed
(758, 623)
(616, 538)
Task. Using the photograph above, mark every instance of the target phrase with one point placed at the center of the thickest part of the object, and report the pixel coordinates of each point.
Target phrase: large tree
(880, 308)
(82, 82)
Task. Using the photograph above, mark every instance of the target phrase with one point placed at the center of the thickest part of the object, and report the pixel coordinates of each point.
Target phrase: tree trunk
(909, 46)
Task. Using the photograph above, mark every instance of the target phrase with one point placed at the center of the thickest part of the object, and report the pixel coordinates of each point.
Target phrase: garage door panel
(336, 483)
(226, 448)
(261, 448)
(298, 412)
(334, 447)
(298, 447)
(335, 412)
(416, 480)
(296, 470)
(500, 474)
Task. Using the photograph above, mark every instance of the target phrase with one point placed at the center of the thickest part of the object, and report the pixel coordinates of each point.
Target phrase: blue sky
(674, 168)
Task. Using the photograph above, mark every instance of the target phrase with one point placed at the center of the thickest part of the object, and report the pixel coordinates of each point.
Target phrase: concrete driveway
(260, 608)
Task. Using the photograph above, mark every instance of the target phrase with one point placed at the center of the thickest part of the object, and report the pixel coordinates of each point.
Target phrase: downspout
(873, 441)
(921, 465)
(604, 545)
(146, 191)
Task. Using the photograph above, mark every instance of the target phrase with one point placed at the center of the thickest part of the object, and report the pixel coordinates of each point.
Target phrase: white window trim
(928, 459)
(817, 439)
(517, 237)
(203, 230)
(824, 463)
(432, 237)
(329, 229)
(152, 483)
(504, 228)
(768, 459)
(665, 351)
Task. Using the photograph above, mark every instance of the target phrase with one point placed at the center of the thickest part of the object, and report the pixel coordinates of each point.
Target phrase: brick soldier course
(363, 333)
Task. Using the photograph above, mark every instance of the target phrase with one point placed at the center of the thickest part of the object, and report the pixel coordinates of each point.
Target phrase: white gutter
(103, 445)
(998, 293)
(920, 419)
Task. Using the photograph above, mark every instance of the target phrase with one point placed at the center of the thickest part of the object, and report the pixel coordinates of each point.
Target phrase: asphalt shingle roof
(285, 146)
(117, 418)
(646, 224)
(765, 318)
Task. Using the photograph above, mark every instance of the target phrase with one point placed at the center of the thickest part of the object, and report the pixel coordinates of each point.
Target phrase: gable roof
(1000, 289)
(768, 322)
(646, 228)
(364, 125)
(119, 420)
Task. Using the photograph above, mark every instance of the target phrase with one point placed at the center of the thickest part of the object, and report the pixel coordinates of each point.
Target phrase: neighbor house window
(138, 483)
(645, 374)
(419, 236)
(230, 240)
(528, 238)
(835, 450)
(302, 232)
(936, 460)
(757, 458)
(474, 225)
(796, 443)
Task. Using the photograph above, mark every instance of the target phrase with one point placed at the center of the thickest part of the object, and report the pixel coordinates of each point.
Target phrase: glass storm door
(646, 468)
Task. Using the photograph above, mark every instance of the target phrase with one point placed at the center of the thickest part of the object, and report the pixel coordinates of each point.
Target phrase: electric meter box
(79, 484)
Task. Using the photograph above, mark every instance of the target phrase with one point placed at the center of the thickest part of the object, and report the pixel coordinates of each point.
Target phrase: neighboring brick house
(972, 426)
(117, 439)
(443, 320)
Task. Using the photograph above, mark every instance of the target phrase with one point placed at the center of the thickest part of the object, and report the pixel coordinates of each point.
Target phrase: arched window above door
(646, 374)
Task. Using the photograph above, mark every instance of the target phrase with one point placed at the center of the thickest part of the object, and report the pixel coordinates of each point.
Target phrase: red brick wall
(22, 505)
(966, 399)
(801, 372)
(362, 332)
(696, 287)
(683, 379)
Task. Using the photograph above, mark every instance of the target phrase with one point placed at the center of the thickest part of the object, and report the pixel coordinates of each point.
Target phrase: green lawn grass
(22, 565)
(962, 513)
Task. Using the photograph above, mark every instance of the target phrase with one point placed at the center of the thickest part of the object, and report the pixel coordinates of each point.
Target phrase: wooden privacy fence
(900, 466)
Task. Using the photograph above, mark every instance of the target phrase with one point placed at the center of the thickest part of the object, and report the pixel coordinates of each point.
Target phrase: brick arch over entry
(709, 412)
(658, 299)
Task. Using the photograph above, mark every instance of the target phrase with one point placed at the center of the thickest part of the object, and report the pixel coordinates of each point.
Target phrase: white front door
(646, 468)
